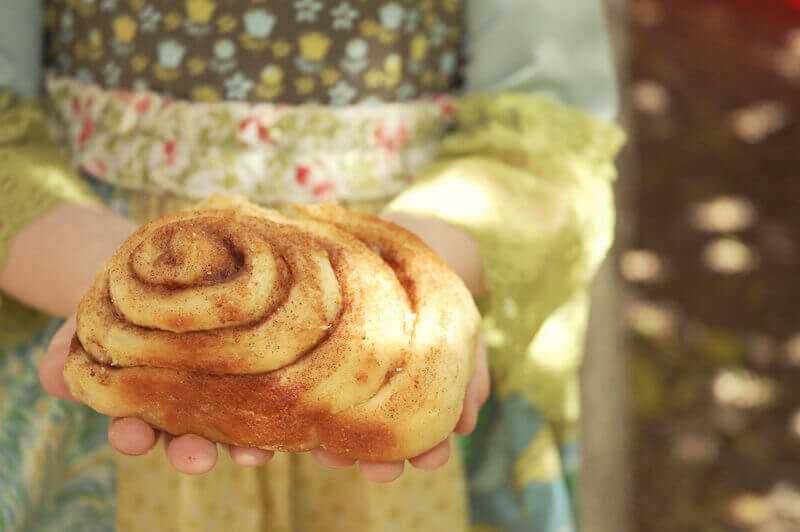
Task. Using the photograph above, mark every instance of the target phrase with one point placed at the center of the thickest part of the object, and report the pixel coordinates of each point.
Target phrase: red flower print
(244, 123)
(142, 105)
(263, 134)
(402, 136)
(87, 130)
(322, 189)
(447, 104)
(170, 151)
(95, 167)
(301, 176)
(76, 105)
(391, 142)
(122, 94)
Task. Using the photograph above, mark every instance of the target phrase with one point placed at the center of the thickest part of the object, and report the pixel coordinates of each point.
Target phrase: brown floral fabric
(333, 52)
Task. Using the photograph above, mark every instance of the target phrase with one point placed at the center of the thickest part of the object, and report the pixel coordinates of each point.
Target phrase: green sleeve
(34, 175)
(530, 179)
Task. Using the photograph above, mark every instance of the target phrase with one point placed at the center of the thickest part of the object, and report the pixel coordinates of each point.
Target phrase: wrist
(53, 260)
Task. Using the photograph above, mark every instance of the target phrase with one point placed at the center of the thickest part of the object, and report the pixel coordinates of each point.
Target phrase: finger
(476, 395)
(250, 456)
(468, 420)
(331, 461)
(131, 436)
(381, 471)
(192, 455)
(434, 458)
(51, 367)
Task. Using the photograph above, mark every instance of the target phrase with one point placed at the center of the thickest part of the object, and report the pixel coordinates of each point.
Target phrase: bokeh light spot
(650, 319)
(756, 122)
(749, 509)
(641, 265)
(742, 389)
(729, 255)
(650, 97)
(723, 214)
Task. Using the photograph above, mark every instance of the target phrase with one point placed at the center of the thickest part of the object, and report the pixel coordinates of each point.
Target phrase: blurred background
(692, 377)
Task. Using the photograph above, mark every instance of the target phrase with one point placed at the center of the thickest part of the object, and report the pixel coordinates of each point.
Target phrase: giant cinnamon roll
(252, 328)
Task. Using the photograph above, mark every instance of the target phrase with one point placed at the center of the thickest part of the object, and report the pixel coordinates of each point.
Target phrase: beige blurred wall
(605, 486)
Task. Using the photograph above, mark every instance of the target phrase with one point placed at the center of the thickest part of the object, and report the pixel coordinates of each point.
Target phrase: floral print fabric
(335, 52)
(271, 153)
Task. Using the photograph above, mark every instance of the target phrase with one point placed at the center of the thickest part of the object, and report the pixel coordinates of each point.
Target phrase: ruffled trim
(22, 120)
(270, 152)
(536, 133)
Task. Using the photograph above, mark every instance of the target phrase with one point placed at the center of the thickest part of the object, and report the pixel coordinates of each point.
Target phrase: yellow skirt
(291, 493)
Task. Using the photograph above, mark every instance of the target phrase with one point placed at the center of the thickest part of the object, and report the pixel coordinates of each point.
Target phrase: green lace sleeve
(530, 179)
(34, 176)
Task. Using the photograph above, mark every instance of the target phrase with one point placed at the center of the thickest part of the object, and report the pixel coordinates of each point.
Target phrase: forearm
(53, 260)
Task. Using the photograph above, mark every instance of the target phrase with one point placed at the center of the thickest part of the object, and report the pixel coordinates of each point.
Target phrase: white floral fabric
(273, 153)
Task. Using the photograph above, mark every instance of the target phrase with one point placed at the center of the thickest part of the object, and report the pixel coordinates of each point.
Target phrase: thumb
(51, 367)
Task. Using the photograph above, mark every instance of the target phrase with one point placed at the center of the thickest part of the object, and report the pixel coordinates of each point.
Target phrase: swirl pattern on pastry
(252, 328)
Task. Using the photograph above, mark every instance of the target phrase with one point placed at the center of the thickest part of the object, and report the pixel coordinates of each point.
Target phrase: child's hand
(477, 394)
(194, 455)
(44, 271)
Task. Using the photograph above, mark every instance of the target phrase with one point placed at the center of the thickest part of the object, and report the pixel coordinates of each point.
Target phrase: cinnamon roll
(252, 328)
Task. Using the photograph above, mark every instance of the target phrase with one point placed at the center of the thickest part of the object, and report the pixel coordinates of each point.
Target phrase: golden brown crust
(251, 328)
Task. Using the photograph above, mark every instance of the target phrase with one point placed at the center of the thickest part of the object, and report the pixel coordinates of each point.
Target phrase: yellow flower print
(419, 47)
(373, 78)
(173, 20)
(271, 74)
(43, 406)
(271, 84)
(304, 84)
(84, 9)
(200, 11)
(51, 17)
(329, 76)
(197, 65)
(137, 5)
(454, 34)
(393, 64)
(428, 78)
(314, 46)
(139, 62)
(226, 24)
(539, 461)
(204, 93)
(124, 29)
(95, 48)
(95, 38)
(451, 6)
(484, 527)
(281, 48)
(81, 51)
(370, 28)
